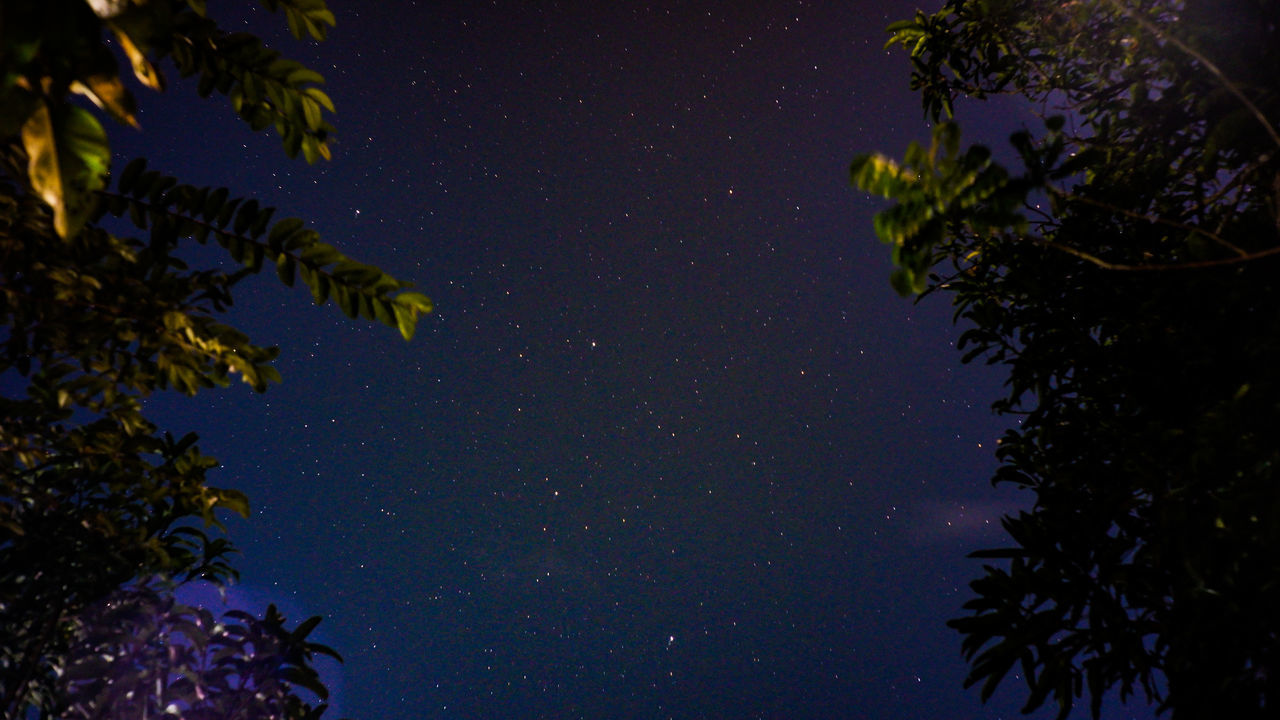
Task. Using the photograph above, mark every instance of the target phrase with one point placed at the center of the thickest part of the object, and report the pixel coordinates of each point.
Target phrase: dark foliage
(1125, 278)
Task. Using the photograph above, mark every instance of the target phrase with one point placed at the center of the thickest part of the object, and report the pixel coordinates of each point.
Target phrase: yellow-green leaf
(406, 320)
(68, 160)
(233, 500)
(319, 96)
(415, 300)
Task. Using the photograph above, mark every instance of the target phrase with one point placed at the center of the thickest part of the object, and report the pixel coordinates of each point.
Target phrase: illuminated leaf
(143, 68)
(68, 159)
(235, 501)
(406, 321)
(416, 300)
(109, 93)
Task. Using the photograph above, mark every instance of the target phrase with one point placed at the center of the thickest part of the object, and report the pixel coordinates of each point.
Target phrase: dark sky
(671, 447)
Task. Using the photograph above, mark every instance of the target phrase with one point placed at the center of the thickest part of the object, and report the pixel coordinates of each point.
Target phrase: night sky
(671, 446)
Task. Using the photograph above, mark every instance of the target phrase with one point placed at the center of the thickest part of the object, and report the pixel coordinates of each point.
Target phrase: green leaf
(321, 254)
(282, 231)
(320, 287)
(311, 111)
(902, 282)
(226, 213)
(347, 300)
(406, 320)
(384, 311)
(233, 500)
(415, 300)
(305, 679)
(286, 266)
(319, 96)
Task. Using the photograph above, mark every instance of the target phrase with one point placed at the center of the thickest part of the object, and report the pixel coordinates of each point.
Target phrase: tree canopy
(1123, 275)
(102, 513)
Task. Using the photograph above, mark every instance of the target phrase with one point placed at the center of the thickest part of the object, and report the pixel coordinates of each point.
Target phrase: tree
(103, 514)
(1124, 278)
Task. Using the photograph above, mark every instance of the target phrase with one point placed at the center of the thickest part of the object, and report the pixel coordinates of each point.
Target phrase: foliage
(102, 514)
(143, 654)
(1124, 279)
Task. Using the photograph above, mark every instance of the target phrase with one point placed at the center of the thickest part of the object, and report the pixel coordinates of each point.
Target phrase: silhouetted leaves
(138, 653)
(1123, 277)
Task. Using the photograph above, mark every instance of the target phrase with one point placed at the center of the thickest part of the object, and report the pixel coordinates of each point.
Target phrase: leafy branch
(174, 210)
(265, 88)
(939, 188)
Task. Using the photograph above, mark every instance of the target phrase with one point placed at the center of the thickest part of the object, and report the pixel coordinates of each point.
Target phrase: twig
(1151, 219)
(1231, 87)
(1107, 265)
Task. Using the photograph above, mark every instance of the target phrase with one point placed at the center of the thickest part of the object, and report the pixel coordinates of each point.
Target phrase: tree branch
(1149, 218)
(1199, 264)
(1209, 65)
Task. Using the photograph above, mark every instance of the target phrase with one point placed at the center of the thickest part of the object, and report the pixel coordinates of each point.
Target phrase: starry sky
(671, 446)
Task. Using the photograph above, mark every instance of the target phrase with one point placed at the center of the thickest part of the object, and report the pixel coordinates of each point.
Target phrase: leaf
(384, 311)
(282, 231)
(320, 287)
(310, 149)
(304, 628)
(109, 93)
(213, 204)
(321, 254)
(354, 273)
(902, 282)
(348, 300)
(130, 175)
(306, 679)
(233, 500)
(405, 320)
(319, 96)
(143, 69)
(248, 215)
(226, 213)
(416, 300)
(260, 223)
(68, 160)
(286, 266)
(311, 111)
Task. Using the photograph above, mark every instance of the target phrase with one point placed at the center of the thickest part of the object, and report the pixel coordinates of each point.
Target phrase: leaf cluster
(140, 654)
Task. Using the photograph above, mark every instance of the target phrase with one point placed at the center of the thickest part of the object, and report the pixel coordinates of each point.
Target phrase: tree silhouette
(1124, 276)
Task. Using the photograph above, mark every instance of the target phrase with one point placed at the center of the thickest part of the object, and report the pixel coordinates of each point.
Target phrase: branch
(1107, 265)
(359, 290)
(1149, 218)
(1231, 87)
